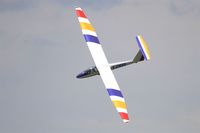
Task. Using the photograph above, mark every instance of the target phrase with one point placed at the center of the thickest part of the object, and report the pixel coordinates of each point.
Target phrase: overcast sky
(42, 50)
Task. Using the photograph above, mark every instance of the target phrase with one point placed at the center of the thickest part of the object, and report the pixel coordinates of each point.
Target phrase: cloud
(182, 7)
(16, 5)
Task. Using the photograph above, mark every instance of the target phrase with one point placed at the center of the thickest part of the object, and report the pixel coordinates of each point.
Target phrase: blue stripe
(113, 92)
(90, 38)
(139, 44)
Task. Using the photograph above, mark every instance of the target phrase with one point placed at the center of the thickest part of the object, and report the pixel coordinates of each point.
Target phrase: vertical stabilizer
(143, 47)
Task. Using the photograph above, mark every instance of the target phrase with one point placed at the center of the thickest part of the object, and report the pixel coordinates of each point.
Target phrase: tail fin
(139, 57)
(143, 47)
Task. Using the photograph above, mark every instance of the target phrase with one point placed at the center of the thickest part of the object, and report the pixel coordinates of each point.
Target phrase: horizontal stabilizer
(143, 47)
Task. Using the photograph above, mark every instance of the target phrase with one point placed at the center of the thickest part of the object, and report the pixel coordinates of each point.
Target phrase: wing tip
(126, 121)
(80, 12)
(78, 8)
(124, 117)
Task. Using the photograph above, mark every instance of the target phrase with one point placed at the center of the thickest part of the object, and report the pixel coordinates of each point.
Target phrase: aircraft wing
(102, 65)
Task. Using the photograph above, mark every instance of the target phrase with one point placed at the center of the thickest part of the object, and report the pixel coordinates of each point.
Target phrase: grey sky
(42, 50)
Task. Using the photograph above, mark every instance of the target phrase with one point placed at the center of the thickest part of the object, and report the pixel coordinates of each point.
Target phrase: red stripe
(80, 13)
(124, 115)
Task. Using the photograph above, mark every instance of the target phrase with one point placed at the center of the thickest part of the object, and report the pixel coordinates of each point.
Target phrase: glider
(103, 68)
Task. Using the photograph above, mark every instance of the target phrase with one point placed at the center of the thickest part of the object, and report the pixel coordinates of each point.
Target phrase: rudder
(143, 47)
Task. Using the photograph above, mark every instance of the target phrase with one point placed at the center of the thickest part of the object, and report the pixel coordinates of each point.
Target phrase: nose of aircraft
(79, 76)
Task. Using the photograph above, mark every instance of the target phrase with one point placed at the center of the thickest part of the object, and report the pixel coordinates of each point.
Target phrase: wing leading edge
(102, 65)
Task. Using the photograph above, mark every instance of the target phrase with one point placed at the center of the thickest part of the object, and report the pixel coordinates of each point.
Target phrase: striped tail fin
(143, 47)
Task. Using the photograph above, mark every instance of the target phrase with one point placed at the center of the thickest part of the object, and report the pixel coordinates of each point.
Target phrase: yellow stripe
(119, 104)
(86, 26)
(145, 46)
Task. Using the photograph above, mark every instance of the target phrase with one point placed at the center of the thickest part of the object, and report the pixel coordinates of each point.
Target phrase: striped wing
(102, 65)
